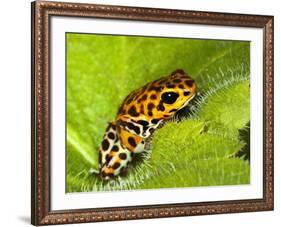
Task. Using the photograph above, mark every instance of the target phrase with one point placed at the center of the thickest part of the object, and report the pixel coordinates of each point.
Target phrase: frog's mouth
(186, 103)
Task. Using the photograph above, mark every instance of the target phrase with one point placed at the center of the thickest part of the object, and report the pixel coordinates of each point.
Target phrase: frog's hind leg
(113, 158)
(116, 163)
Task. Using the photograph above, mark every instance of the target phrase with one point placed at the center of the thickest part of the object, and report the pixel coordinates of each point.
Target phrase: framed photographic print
(148, 113)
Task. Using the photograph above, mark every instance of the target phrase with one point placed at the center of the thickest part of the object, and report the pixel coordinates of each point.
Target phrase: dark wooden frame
(41, 13)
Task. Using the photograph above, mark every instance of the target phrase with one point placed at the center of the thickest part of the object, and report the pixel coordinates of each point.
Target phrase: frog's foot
(94, 171)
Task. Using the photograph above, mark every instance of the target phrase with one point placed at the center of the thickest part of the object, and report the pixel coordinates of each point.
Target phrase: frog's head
(174, 92)
(159, 99)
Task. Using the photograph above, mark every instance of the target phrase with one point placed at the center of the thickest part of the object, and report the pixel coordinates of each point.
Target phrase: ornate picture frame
(42, 97)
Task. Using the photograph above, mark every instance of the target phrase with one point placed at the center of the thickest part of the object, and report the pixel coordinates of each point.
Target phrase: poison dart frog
(140, 114)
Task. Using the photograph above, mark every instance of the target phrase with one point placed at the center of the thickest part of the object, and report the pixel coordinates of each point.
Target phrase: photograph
(143, 113)
(149, 112)
(156, 112)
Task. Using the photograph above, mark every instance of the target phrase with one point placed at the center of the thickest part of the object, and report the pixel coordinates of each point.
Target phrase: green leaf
(228, 107)
(210, 172)
(102, 70)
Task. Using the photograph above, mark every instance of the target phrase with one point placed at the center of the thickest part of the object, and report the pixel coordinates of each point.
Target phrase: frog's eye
(169, 97)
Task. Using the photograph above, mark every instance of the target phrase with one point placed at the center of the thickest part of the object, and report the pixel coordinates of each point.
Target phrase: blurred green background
(199, 151)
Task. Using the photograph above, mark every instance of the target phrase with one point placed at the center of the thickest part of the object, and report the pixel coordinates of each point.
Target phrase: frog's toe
(93, 171)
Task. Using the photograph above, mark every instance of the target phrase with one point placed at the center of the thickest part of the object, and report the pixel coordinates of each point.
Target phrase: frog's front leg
(141, 127)
(134, 143)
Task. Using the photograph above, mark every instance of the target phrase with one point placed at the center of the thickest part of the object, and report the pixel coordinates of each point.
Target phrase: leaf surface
(103, 70)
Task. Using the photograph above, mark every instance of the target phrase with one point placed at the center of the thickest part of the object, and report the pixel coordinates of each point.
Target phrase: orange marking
(124, 135)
